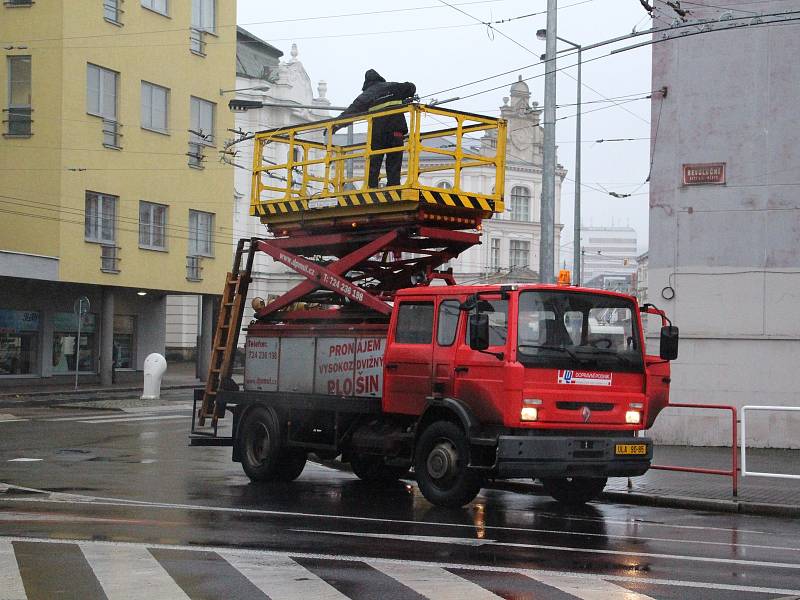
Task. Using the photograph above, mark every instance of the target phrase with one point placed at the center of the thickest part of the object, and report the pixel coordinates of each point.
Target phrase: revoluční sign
(704, 174)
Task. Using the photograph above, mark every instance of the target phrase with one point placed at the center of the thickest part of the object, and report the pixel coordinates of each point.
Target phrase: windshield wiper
(564, 349)
(606, 352)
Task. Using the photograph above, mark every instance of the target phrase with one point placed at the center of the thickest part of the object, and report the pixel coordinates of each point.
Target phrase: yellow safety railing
(311, 166)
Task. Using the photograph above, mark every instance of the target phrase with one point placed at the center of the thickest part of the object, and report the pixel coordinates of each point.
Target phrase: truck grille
(593, 406)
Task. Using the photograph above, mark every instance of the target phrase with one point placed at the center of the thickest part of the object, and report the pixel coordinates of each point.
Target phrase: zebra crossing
(38, 569)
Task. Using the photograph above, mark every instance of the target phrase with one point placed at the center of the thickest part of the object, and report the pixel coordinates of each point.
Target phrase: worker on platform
(387, 132)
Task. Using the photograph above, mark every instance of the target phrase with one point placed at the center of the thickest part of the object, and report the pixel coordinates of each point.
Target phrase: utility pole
(577, 229)
(548, 201)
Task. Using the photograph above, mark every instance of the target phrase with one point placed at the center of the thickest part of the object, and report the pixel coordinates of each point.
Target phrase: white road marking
(133, 419)
(24, 459)
(12, 420)
(468, 541)
(434, 582)
(106, 501)
(126, 414)
(131, 573)
(461, 541)
(533, 573)
(597, 589)
(11, 586)
(281, 578)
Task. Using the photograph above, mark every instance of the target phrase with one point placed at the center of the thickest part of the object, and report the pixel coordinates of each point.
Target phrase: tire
(441, 463)
(259, 441)
(373, 469)
(574, 491)
(291, 464)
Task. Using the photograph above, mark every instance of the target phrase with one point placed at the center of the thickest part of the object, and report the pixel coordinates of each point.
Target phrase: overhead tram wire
(610, 41)
(273, 22)
(509, 38)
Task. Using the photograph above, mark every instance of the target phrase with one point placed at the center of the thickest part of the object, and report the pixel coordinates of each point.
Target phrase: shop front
(20, 337)
(68, 349)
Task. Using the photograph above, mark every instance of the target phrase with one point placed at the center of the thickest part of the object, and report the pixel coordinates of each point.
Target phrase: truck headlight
(529, 413)
(633, 417)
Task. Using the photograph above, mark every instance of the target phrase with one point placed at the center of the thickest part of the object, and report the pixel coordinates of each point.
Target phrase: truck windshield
(575, 329)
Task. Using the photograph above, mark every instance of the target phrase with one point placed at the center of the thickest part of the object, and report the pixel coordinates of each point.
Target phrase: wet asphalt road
(112, 504)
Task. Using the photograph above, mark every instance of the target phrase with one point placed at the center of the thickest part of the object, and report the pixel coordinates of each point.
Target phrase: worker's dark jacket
(377, 93)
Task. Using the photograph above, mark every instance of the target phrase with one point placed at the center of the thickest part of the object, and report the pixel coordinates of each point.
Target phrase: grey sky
(462, 50)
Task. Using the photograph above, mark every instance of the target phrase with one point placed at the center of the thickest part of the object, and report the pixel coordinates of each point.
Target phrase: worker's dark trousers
(394, 160)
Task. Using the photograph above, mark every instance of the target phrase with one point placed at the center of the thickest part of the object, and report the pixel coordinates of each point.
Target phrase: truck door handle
(461, 369)
(391, 366)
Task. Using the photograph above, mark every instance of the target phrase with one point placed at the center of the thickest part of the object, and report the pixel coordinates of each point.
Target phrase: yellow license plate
(630, 449)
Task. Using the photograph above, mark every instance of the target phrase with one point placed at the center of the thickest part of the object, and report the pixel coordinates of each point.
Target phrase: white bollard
(154, 367)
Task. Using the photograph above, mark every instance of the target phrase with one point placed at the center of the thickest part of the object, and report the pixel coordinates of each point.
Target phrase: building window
(203, 21)
(152, 226)
(201, 130)
(159, 6)
(519, 254)
(494, 254)
(68, 350)
(520, 203)
(201, 233)
(19, 342)
(155, 100)
(101, 218)
(101, 101)
(204, 15)
(112, 11)
(18, 2)
(19, 95)
(445, 185)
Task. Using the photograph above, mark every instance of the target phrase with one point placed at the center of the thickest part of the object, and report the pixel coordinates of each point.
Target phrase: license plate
(630, 449)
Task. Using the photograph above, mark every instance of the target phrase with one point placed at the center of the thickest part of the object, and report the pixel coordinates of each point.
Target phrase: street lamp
(542, 35)
(256, 88)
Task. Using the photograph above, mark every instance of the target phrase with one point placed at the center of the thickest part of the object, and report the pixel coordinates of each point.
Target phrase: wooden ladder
(226, 334)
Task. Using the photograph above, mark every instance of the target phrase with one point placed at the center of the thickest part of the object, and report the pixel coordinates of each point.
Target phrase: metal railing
(196, 154)
(111, 133)
(194, 268)
(745, 472)
(733, 473)
(19, 120)
(197, 41)
(310, 162)
(109, 258)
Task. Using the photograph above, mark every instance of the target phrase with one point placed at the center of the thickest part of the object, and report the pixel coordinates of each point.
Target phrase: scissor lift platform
(305, 177)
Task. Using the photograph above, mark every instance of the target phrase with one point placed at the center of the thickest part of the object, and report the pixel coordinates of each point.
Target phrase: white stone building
(607, 253)
(276, 82)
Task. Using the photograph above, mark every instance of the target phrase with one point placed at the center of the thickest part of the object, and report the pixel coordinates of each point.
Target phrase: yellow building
(111, 185)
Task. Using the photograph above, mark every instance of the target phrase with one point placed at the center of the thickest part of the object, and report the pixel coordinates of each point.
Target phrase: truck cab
(549, 382)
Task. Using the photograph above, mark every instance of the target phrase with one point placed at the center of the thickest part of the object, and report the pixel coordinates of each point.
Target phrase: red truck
(465, 384)
(369, 359)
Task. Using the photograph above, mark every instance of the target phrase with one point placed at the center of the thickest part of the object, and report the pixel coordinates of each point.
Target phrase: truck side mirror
(669, 342)
(479, 331)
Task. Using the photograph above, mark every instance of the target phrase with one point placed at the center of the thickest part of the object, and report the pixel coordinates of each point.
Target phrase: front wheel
(574, 490)
(441, 463)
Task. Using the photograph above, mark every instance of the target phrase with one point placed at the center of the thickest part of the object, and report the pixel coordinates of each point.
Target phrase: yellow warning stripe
(377, 197)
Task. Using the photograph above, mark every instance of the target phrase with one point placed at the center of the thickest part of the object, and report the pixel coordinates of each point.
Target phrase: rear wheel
(574, 490)
(260, 444)
(373, 469)
(441, 463)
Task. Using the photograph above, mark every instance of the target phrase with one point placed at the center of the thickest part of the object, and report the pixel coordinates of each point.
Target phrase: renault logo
(586, 414)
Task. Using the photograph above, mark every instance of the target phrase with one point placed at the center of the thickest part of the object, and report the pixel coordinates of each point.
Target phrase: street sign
(704, 174)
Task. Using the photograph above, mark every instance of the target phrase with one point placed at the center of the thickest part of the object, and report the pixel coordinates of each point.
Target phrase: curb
(71, 396)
